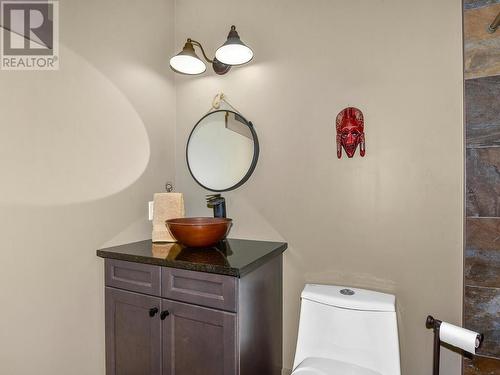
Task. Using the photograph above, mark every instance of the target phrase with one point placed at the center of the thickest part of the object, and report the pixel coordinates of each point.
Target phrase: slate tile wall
(481, 366)
(482, 168)
(481, 49)
(472, 4)
(483, 181)
(481, 315)
(482, 164)
(482, 112)
(482, 257)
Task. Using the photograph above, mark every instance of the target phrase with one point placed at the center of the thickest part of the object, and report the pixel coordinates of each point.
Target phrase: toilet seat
(325, 366)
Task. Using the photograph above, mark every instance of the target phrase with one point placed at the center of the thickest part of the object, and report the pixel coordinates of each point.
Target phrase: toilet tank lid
(349, 298)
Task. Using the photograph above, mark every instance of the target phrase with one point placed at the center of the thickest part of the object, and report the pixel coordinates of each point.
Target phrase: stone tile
(483, 182)
(481, 49)
(481, 366)
(482, 314)
(472, 4)
(482, 114)
(482, 252)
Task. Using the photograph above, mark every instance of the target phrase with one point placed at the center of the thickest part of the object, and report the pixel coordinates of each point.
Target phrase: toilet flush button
(347, 292)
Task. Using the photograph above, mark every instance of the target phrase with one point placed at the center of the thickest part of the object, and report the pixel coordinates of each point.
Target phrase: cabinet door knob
(164, 314)
(153, 311)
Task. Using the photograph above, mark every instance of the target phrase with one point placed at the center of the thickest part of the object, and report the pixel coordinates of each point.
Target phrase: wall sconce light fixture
(232, 52)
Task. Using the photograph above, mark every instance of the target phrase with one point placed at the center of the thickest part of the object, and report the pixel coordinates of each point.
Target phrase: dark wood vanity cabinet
(189, 340)
(198, 340)
(133, 335)
(168, 321)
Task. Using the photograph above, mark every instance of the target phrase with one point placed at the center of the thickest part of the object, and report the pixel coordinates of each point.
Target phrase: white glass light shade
(187, 64)
(234, 53)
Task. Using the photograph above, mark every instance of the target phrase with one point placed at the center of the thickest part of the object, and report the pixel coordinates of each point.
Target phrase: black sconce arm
(196, 43)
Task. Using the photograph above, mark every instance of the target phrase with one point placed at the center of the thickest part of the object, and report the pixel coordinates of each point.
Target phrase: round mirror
(222, 150)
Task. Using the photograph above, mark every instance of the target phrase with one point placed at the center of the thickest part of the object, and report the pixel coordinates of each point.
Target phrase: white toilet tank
(349, 325)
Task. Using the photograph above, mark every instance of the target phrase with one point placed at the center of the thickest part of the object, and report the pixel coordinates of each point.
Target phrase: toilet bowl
(346, 331)
(324, 366)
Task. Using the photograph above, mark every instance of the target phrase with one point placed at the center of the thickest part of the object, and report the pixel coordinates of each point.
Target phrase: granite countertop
(233, 257)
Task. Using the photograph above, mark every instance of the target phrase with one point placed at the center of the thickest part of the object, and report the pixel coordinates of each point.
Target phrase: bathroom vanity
(172, 310)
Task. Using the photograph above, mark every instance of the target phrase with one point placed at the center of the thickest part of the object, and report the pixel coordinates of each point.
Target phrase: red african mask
(350, 132)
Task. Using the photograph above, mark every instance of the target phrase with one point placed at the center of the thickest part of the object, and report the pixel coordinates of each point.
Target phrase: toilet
(346, 331)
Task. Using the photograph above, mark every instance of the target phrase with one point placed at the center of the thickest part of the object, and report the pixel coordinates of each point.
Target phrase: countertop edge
(196, 267)
(255, 264)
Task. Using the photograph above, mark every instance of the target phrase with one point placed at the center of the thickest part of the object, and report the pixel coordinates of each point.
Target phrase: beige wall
(391, 221)
(82, 150)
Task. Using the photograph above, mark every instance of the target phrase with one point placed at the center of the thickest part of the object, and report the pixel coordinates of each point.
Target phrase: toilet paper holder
(435, 324)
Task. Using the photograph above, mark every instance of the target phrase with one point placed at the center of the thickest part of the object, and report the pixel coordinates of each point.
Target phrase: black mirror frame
(256, 150)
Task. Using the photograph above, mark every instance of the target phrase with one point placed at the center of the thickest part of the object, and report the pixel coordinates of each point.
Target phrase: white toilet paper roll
(460, 337)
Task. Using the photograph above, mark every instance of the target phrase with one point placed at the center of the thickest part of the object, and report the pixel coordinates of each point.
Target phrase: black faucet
(218, 203)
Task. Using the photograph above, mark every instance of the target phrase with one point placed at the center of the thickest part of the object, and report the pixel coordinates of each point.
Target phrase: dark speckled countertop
(231, 257)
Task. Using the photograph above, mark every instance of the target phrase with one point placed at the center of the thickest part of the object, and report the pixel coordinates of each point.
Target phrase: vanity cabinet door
(198, 340)
(133, 333)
